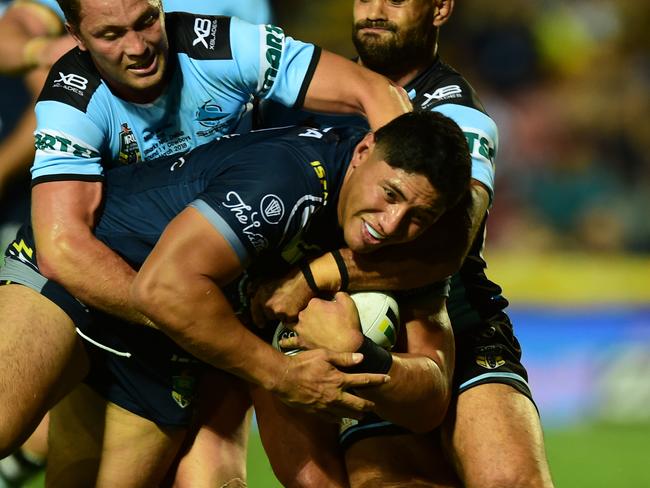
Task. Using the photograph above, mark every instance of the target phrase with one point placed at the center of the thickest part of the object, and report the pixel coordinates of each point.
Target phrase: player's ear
(363, 150)
(442, 11)
(72, 30)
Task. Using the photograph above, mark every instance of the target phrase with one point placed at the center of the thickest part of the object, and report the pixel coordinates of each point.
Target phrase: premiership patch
(129, 150)
(183, 388)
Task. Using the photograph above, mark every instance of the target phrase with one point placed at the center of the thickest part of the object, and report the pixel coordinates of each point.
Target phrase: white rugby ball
(378, 315)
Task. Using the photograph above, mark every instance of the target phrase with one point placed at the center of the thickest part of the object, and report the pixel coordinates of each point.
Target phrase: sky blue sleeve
(482, 138)
(67, 142)
(272, 65)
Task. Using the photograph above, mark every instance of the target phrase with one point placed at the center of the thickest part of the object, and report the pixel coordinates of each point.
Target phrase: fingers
(291, 342)
(364, 380)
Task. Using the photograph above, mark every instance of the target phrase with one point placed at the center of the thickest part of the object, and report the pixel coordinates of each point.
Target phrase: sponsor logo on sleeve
(272, 46)
(480, 144)
(71, 82)
(58, 142)
(442, 93)
(206, 32)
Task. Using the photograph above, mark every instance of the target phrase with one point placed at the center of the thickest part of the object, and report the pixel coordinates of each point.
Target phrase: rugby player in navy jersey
(492, 435)
(318, 189)
(137, 88)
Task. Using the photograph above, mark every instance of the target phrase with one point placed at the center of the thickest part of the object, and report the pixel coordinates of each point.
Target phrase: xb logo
(73, 80)
(202, 30)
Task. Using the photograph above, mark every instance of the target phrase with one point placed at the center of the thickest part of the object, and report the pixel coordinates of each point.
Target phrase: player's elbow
(152, 295)
(57, 255)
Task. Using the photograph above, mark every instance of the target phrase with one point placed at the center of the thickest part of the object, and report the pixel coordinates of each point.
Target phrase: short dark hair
(71, 10)
(430, 144)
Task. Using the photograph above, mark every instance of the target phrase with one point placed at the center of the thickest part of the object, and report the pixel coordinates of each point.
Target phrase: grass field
(596, 456)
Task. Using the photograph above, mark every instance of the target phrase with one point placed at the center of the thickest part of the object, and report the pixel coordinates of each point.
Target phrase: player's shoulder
(441, 84)
(199, 36)
(73, 80)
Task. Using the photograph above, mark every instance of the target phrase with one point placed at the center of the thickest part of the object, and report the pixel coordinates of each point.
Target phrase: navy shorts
(138, 368)
(486, 353)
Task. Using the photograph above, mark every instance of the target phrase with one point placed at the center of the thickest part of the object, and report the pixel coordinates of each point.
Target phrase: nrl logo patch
(183, 388)
(129, 150)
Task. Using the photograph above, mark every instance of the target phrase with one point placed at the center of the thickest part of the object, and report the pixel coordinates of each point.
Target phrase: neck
(408, 73)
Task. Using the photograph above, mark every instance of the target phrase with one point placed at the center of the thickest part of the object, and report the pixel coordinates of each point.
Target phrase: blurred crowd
(567, 82)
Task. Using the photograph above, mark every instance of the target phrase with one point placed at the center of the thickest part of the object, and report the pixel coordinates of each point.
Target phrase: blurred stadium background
(569, 233)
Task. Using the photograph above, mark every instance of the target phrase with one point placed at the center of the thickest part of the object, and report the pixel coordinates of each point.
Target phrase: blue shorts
(138, 368)
(487, 353)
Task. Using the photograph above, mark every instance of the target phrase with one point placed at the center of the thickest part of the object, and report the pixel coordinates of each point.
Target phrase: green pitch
(595, 456)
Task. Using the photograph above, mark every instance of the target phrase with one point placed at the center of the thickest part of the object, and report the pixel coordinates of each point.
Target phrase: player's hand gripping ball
(378, 315)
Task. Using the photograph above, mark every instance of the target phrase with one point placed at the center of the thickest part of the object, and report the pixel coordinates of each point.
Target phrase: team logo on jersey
(129, 150)
(71, 82)
(442, 93)
(489, 357)
(272, 209)
(206, 32)
(272, 48)
(209, 114)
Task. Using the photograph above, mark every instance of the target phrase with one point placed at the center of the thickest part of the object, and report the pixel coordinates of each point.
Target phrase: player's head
(393, 36)
(126, 40)
(401, 179)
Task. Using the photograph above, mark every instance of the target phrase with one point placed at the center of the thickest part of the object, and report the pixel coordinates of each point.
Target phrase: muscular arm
(363, 92)
(178, 287)
(63, 217)
(421, 378)
(26, 29)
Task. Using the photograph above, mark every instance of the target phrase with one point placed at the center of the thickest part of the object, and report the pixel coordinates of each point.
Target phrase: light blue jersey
(254, 11)
(218, 63)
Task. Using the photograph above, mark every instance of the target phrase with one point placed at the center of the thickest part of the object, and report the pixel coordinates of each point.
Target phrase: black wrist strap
(376, 359)
(343, 270)
(309, 278)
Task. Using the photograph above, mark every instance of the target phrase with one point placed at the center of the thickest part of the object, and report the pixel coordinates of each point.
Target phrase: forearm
(93, 273)
(417, 396)
(201, 321)
(364, 92)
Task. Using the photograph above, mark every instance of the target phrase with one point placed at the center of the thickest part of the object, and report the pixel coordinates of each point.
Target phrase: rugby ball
(378, 315)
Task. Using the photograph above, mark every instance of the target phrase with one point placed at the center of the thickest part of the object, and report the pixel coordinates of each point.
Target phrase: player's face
(380, 205)
(393, 35)
(127, 42)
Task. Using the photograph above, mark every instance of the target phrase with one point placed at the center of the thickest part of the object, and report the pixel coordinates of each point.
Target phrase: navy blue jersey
(272, 194)
(473, 297)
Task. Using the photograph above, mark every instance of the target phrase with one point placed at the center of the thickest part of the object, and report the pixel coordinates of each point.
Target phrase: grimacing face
(128, 44)
(380, 205)
(391, 35)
